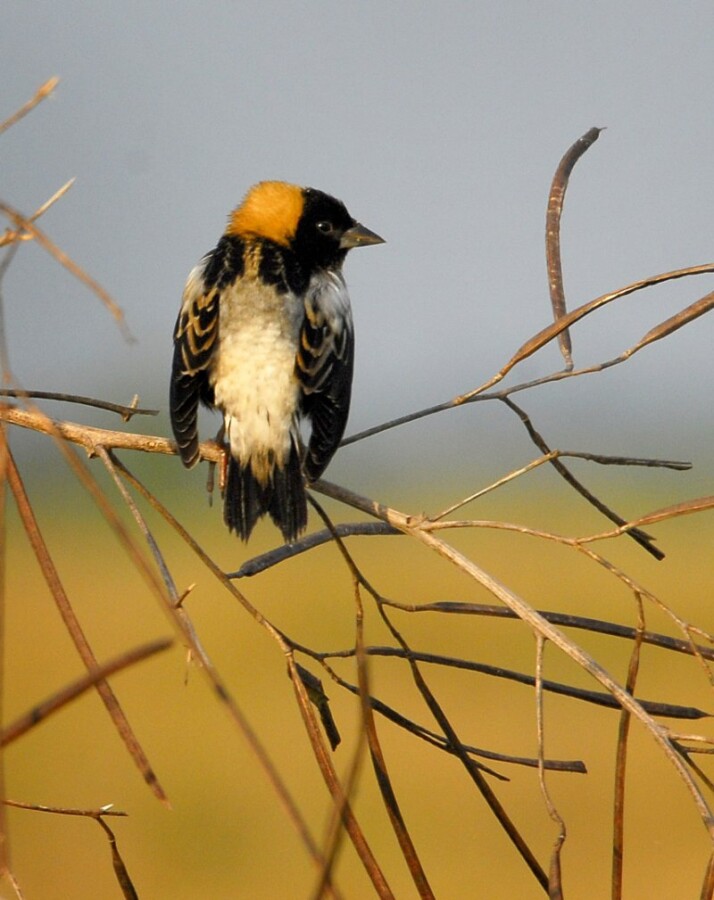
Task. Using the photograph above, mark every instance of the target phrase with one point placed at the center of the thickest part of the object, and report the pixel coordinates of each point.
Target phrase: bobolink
(265, 335)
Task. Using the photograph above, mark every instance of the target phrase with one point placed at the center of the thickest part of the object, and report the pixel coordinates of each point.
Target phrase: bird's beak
(359, 236)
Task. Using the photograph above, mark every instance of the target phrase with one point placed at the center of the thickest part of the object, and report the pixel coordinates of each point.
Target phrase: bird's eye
(325, 227)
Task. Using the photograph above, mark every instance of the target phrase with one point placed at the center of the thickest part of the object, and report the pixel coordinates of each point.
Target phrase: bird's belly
(253, 376)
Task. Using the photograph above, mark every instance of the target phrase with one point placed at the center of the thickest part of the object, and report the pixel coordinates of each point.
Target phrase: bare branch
(439, 741)
(618, 830)
(555, 880)
(565, 620)
(317, 538)
(23, 223)
(76, 632)
(552, 234)
(126, 412)
(120, 870)
(91, 438)
(531, 346)
(643, 539)
(107, 810)
(379, 763)
(539, 624)
(42, 93)
(74, 690)
(15, 237)
(598, 698)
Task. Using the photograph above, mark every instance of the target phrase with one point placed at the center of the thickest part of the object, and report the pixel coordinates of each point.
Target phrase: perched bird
(264, 335)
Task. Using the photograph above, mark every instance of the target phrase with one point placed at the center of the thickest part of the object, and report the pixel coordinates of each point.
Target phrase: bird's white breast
(253, 372)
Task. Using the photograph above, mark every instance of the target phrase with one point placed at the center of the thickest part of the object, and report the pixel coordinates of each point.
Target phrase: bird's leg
(222, 467)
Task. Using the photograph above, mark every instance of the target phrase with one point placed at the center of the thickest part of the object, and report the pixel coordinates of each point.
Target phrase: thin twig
(566, 620)
(337, 792)
(379, 763)
(618, 830)
(315, 539)
(91, 438)
(42, 93)
(685, 508)
(25, 224)
(643, 539)
(441, 743)
(61, 698)
(598, 698)
(540, 625)
(531, 346)
(15, 237)
(120, 870)
(107, 810)
(555, 879)
(552, 234)
(75, 631)
(126, 412)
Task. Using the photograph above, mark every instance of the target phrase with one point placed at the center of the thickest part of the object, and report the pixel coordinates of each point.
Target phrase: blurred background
(440, 126)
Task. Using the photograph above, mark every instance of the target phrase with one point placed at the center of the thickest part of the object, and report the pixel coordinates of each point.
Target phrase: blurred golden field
(226, 835)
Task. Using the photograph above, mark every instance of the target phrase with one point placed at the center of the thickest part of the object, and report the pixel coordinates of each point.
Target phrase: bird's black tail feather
(282, 498)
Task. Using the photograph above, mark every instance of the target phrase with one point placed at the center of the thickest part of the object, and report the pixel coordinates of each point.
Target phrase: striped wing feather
(194, 341)
(324, 366)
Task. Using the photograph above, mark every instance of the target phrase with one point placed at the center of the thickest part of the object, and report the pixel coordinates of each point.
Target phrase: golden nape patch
(270, 210)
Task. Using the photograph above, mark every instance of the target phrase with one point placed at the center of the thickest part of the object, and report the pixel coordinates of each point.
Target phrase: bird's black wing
(324, 364)
(194, 342)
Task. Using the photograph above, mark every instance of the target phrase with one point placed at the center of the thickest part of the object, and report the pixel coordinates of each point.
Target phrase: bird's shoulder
(240, 261)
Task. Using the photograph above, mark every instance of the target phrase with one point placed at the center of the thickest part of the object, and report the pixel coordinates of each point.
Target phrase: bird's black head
(326, 231)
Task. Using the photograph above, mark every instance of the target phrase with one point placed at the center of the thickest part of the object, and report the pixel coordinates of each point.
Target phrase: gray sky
(440, 125)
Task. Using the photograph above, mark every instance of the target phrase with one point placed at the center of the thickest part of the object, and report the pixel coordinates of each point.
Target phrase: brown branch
(473, 769)
(126, 412)
(552, 234)
(379, 764)
(16, 237)
(120, 870)
(618, 829)
(180, 617)
(678, 465)
(555, 880)
(75, 630)
(566, 620)
(25, 224)
(531, 346)
(107, 810)
(538, 623)
(685, 508)
(598, 698)
(674, 323)
(42, 93)
(643, 539)
(92, 439)
(332, 781)
(74, 690)
(438, 741)
(546, 335)
(287, 551)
